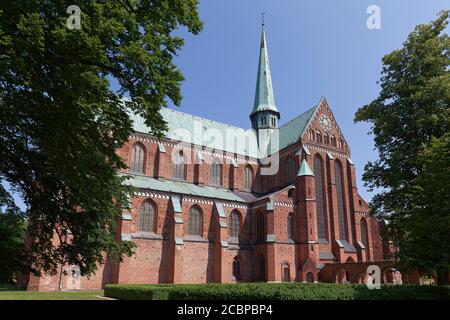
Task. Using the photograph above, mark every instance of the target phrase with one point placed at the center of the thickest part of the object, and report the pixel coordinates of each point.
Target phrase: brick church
(274, 203)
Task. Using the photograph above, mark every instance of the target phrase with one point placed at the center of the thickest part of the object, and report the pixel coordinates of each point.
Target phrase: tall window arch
(326, 138)
(286, 272)
(311, 135)
(147, 216)
(260, 227)
(340, 143)
(262, 268)
(137, 158)
(290, 227)
(216, 172)
(248, 178)
(319, 136)
(322, 225)
(290, 170)
(237, 268)
(235, 224)
(179, 166)
(343, 233)
(365, 236)
(195, 222)
(333, 141)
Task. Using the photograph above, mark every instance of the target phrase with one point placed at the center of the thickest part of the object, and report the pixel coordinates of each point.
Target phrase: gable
(323, 122)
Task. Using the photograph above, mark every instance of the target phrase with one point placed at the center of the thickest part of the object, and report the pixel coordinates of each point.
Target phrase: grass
(59, 295)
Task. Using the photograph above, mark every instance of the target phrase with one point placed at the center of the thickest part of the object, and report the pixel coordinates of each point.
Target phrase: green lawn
(68, 295)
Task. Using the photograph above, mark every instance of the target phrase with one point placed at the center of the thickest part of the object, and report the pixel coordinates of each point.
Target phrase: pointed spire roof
(264, 98)
(305, 170)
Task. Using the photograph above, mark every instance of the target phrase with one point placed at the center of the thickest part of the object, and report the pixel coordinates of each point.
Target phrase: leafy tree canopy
(12, 235)
(60, 122)
(411, 109)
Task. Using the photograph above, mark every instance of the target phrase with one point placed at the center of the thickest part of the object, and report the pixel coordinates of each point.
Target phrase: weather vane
(262, 16)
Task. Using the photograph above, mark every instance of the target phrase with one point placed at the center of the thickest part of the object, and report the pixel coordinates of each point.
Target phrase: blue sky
(316, 48)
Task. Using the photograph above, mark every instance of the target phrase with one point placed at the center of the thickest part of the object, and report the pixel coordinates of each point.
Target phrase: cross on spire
(262, 17)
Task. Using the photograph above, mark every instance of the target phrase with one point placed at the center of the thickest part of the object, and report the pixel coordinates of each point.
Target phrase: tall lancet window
(179, 166)
(290, 227)
(322, 225)
(289, 170)
(248, 178)
(195, 222)
(235, 224)
(216, 172)
(365, 236)
(343, 234)
(147, 217)
(137, 159)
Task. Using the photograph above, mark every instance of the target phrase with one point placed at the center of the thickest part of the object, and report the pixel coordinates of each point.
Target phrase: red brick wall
(158, 259)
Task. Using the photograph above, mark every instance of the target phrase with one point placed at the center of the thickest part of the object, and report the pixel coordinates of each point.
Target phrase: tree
(411, 109)
(61, 123)
(426, 244)
(12, 236)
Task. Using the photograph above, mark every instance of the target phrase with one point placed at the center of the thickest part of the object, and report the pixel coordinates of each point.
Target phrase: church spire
(264, 97)
(265, 114)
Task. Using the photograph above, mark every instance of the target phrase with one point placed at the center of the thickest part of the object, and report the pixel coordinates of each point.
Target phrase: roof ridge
(203, 118)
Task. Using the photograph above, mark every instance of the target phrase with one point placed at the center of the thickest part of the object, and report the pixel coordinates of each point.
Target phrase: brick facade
(290, 225)
(170, 255)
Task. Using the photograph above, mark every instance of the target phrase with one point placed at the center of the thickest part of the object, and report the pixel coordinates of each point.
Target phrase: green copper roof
(179, 187)
(178, 121)
(191, 129)
(264, 98)
(304, 170)
(291, 131)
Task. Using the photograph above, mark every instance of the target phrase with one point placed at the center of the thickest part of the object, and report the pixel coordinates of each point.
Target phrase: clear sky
(316, 48)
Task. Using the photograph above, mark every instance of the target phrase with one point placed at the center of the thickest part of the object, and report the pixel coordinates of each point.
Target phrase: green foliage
(12, 236)
(263, 291)
(61, 124)
(412, 108)
(428, 230)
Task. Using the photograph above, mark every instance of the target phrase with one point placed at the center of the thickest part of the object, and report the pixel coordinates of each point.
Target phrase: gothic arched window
(147, 215)
(343, 234)
(262, 268)
(319, 136)
(322, 225)
(333, 141)
(365, 236)
(235, 224)
(179, 166)
(248, 178)
(311, 135)
(137, 159)
(216, 172)
(326, 138)
(237, 268)
(260, 228)
(195, 222)
(286, 273)
(289, 170)
(290, 227)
